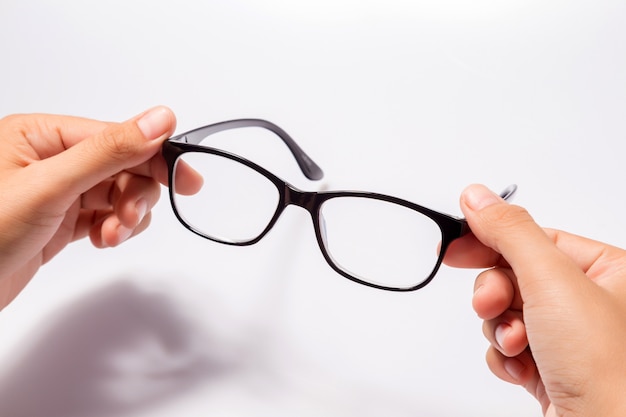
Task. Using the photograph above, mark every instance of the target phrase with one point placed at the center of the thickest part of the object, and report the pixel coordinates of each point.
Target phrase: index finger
(469, 252)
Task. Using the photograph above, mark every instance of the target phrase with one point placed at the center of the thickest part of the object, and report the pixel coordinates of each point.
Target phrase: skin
(66, 178)
(553, 305)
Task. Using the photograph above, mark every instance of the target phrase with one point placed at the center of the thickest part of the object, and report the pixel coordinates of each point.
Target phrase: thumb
(541, 268)
(118, 147)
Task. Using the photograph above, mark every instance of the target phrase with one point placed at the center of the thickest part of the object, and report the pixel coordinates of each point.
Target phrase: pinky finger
(518, 370)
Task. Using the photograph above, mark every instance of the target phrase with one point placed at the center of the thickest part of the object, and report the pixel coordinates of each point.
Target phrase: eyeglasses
(373, 239)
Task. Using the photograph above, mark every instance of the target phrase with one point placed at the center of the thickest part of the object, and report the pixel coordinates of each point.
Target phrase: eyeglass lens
(380, 242)
(235, 203)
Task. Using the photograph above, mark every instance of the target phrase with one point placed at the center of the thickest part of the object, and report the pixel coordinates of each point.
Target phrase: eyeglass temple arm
(509, 192)
(308, 167)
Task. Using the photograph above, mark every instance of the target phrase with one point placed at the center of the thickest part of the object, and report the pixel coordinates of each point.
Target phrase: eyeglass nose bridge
(311, 201)
(305, 199)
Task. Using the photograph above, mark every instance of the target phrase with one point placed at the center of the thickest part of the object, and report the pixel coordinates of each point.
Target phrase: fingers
(137, 196)
(497, 301)
(52, 134)
(495, 291)
(111, 232)
(520, 370)
(540, 266)
(498, 230)
(507, 333)
(541, 305)
(117, 208)
(469, 252)
(188, 181)
(105, 229)
(125, 146)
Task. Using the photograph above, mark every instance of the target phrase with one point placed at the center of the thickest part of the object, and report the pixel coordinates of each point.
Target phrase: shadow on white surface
(118, 350)
(124, 350)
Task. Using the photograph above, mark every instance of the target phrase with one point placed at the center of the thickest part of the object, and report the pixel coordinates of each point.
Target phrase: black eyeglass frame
(451, 227)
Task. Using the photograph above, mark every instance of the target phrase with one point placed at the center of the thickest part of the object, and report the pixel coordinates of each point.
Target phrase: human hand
(64, 178)
(553, 305)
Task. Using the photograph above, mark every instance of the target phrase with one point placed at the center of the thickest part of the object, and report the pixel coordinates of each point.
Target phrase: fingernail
(142, 208)
(477, 197)
(123, 233)
(478, 289)
(155, 123)
(514, 368)
(501, 331)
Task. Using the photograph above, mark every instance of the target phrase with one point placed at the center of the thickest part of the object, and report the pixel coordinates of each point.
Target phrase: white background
(411, 98)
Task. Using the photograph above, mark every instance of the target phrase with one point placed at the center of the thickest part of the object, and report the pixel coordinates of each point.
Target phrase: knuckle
(15, 123)
(13, 119)
(508, 216)
(119, 141)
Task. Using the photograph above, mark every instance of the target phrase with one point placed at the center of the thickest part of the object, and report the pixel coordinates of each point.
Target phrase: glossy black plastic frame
(451, 227)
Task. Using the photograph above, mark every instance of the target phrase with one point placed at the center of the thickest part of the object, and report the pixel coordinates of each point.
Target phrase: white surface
(411, 98)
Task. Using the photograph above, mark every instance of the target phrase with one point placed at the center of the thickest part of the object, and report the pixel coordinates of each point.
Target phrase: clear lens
(380, 242)
(235, 203)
